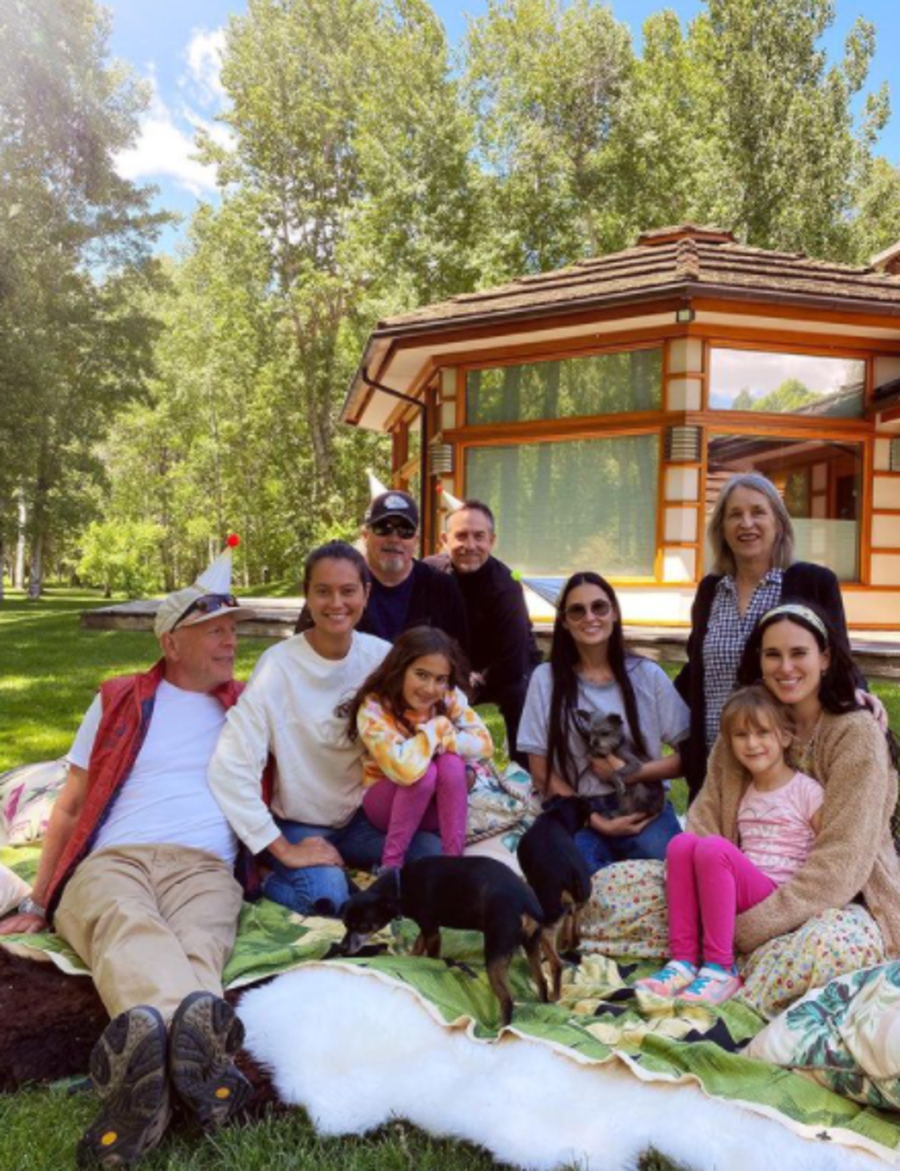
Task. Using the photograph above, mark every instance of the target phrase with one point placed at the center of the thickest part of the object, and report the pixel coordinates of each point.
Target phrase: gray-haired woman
(752, 539)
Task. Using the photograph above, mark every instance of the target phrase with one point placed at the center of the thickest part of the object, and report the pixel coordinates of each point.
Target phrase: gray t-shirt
(665, 718)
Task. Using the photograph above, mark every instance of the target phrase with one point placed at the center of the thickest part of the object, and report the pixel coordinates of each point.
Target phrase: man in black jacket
(503, 649)
(405, 592)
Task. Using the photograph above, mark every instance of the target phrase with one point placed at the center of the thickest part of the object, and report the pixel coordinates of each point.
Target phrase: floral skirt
(627, 916)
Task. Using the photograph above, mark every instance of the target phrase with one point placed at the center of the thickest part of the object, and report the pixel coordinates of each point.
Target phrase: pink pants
(708, 883)
(437, 801)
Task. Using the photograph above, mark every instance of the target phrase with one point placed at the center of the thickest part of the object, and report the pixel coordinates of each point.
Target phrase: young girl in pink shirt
(709, 881)
(418, 730)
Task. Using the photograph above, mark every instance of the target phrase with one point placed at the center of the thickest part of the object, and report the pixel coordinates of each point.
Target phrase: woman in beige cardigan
(800, 657)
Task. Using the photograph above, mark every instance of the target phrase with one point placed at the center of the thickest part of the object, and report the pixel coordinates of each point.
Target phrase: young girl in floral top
(418, 730)
(709, 880)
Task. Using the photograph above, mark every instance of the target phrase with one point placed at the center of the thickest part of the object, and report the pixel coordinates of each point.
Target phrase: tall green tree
(547, 85)
(783, 122)
(350, 152)
(74, 246)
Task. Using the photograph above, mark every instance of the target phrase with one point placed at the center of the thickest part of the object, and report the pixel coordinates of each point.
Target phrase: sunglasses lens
(577, 612)
(393, 528)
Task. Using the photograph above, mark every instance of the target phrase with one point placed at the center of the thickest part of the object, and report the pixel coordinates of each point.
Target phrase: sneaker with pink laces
(714, 985)
(669, 980)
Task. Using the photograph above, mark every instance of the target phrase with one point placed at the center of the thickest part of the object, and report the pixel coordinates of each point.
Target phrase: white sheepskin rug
(356, 1051)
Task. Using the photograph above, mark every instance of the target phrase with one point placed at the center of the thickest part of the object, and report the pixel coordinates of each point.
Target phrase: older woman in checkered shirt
(752, 539)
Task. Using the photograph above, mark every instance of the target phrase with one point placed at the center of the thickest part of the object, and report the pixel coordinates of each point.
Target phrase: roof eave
(685, 290)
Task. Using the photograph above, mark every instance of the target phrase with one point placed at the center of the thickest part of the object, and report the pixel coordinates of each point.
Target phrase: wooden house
(599, 408)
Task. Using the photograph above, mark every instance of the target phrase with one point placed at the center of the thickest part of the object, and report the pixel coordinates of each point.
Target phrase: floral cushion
(27, 795)
(500, 805)
(626, 915)
(845, 1036)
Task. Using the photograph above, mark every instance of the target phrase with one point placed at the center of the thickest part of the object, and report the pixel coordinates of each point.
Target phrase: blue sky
(175, 45)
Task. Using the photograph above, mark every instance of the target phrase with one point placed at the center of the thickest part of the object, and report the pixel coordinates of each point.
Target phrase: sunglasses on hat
(393, 526)
(208, 604)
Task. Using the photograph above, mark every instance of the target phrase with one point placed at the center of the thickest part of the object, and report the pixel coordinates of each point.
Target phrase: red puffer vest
(127, 708)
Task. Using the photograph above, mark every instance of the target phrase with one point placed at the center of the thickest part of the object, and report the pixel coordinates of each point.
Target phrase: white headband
(798, 611)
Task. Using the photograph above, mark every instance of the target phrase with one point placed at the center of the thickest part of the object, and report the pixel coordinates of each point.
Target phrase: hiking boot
(205, 1036)
(128, 1069)
(714, 985)
(670, 980)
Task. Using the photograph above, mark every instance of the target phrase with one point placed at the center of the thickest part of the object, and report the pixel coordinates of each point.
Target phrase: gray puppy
(604, 735)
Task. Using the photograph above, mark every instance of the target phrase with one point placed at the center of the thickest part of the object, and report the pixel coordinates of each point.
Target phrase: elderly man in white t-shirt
(137, 874)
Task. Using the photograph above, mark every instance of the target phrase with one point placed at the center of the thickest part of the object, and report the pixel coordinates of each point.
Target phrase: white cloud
(204, 62)
(164, 149)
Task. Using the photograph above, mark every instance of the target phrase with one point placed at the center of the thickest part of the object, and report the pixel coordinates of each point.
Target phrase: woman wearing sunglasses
(589, 671)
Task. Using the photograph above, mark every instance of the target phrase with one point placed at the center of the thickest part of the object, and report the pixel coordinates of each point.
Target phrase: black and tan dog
(559, 875)
(474, 894)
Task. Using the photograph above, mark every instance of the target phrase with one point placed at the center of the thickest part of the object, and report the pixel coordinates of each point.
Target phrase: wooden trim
(542, 431)
(660, 498)
(825, 317)
(889, 416)
(665, 302)
(751, 423)
(888, 475)
(889, 550)
(865, 511)
(839, 348)
(500, 357)
(885, 512)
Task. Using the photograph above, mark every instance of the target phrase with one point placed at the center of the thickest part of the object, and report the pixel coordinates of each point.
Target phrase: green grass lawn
(49, 671)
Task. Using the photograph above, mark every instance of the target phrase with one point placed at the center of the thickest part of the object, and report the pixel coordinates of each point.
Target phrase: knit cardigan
(854, 852)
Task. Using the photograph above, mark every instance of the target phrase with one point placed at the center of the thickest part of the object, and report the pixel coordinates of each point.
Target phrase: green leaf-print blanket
(598, 1019)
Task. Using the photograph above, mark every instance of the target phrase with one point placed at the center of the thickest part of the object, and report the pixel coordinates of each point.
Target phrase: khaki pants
(153, 923)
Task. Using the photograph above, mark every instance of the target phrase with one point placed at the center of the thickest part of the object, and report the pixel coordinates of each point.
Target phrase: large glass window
(578, 504)
(603, 384)
(819, 482)
(795, 384)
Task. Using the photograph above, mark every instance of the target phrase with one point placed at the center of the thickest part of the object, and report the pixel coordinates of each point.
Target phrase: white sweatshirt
(288, 709)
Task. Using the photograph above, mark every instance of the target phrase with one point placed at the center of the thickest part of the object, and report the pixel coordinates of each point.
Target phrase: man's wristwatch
(29, 907)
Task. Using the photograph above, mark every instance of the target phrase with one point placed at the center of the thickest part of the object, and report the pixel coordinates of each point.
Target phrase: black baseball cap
(393, 503)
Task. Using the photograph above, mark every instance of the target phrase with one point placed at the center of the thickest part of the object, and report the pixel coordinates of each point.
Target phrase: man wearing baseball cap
(405, 592)
(137, 875)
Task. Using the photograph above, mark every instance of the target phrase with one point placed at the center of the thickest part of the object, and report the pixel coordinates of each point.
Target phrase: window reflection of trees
(578, 504)
(602, 384)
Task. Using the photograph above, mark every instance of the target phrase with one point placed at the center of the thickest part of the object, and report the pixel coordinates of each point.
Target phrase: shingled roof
(685, 259)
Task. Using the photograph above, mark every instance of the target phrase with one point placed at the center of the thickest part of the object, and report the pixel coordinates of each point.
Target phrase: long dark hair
(564, 658)
(386, 681)
(330, 551)
(837, 691)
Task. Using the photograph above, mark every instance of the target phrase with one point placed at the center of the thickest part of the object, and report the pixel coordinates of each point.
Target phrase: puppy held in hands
(474, 894)
(604, 735)
(559, 875)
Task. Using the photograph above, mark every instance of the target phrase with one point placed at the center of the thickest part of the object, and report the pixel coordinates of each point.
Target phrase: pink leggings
(708, 883)
(437, 801)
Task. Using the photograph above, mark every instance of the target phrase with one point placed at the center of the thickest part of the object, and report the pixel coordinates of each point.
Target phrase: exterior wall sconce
(440, 459)
(683, 444)
(685, 316)
(895, 455)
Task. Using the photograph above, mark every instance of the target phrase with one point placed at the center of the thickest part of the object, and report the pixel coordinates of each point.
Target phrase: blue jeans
(323, 890)
(599, 851)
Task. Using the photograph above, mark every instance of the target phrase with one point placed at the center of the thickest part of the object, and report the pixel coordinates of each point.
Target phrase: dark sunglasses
(393, 528)
(578, 611)
(208, 604)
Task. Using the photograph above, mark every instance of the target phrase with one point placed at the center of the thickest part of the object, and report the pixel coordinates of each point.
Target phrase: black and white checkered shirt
(725, 639)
